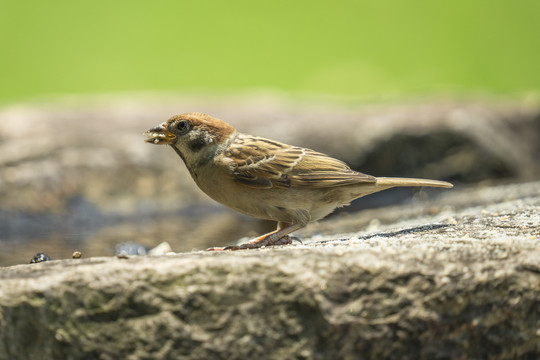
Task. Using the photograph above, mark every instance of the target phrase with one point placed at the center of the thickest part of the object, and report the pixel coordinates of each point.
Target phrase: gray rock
(75, 174)
(458, 278)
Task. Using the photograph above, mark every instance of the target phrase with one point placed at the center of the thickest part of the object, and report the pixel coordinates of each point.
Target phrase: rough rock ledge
(460, 282)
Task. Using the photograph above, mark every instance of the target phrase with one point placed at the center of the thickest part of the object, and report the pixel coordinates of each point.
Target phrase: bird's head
(191, 135)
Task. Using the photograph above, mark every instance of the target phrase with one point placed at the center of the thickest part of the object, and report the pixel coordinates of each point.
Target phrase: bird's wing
(263, 163)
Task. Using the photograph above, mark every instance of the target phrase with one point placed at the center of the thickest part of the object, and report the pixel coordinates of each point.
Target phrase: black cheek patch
(196, 144)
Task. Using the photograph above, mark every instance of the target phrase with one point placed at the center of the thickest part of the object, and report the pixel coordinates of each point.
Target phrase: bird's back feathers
(262, 163)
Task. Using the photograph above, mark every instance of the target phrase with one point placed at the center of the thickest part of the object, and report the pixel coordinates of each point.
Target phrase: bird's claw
(294, 238)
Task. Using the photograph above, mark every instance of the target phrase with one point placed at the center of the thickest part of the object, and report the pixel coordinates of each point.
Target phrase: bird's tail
(389, 182)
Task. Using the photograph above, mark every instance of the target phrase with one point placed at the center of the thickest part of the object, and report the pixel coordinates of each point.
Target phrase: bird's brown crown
(215, 127)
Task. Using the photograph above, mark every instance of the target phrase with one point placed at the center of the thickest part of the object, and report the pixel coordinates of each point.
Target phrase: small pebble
(161, 249)
(40, 257)
(130, 248)
(76, 255)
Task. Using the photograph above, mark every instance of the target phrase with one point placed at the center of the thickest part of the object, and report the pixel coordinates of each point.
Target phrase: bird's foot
(277, 237)
(265, 240)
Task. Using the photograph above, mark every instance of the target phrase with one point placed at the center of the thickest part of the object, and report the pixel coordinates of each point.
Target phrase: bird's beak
(160, 135)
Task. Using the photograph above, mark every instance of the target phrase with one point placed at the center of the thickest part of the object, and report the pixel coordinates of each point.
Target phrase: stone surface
(456, 278)
(75, 174)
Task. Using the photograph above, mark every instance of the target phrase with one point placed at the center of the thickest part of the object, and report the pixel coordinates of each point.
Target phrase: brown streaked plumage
(264, 178)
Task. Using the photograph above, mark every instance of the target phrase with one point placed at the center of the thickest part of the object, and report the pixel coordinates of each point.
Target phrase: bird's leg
(276, 237)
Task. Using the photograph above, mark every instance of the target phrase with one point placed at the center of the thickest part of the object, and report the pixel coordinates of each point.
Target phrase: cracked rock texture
(458, 278)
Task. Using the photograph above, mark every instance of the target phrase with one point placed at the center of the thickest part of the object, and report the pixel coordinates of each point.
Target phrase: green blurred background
(369, 49)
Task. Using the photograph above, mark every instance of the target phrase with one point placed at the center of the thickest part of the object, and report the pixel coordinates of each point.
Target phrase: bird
(264, 178)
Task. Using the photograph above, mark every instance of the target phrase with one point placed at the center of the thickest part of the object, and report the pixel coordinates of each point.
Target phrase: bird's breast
(291, 205)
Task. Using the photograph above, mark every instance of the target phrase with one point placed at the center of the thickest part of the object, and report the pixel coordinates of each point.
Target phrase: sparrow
(267, 179)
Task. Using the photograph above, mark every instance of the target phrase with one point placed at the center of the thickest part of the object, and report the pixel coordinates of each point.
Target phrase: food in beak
(159, 136)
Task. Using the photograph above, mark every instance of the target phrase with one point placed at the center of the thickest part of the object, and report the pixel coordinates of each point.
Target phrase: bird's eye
(183, 126)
